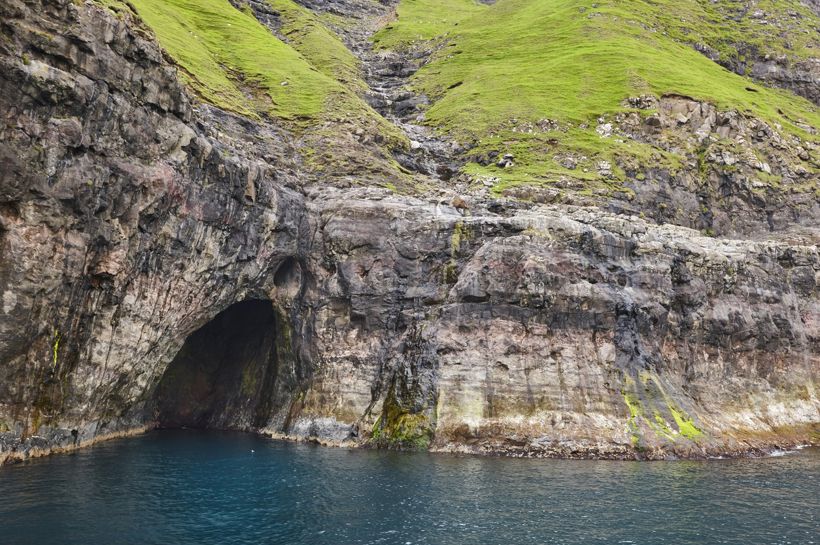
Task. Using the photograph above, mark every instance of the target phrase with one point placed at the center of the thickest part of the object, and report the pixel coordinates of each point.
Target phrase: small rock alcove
(225, 375)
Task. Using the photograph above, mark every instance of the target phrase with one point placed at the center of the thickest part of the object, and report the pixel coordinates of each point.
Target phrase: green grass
(232, 61)
(521, 61)
(729, 25)
(310, 81)
(514, 62)
(537, 159)
(311, 37)
(721, 25)
(559, 59)
(307, 33)
(424, 20)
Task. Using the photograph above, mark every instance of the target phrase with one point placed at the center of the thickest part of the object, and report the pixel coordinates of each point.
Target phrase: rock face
(564, 331)
(124, 226)
(163, 263)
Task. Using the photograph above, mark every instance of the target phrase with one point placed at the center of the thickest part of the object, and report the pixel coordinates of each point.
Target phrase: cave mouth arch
(225, 374)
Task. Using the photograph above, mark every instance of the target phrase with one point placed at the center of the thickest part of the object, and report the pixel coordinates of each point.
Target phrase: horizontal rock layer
(130, 218)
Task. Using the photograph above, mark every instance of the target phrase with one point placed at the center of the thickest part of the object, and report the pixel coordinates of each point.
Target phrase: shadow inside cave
(225, 375)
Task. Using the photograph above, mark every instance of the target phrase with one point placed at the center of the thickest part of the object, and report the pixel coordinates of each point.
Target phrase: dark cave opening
(225, 374)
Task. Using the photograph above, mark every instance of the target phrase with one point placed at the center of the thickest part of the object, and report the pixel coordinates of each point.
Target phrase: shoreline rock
(565, 452)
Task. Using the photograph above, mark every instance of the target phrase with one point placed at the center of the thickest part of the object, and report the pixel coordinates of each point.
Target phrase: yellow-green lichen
(455, 239)
(686, 426)
(450, 272)
(460, 234)
(661, 427)
(55, 347)
(633, 403)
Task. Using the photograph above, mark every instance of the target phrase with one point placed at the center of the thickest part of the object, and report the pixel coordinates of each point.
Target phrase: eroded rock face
(129, 219)
(125, 226)
(563, 331)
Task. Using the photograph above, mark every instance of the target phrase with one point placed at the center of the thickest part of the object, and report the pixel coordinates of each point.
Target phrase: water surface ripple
(188, 487)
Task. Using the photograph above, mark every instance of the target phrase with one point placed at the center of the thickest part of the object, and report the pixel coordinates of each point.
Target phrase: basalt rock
(167, 263)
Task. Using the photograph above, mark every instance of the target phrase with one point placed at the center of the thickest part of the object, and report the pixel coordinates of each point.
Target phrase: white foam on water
(778, 453)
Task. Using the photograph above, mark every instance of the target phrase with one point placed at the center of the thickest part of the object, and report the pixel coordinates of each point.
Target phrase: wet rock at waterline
(166, 262)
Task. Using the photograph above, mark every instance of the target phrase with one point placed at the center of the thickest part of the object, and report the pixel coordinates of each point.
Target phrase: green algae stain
(686, 426)
(653, 417)
(461, 233)
(450, 273)
(284, 337)
(403, 430)
(661, 427)
(399, 428)
(249, 380)
(633, 403)
(55, 347)
(455, 240)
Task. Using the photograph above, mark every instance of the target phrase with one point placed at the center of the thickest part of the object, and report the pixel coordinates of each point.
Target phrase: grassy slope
(510, 63)
(532, 59)
(234, 62)
(328, 148)
(561, 59)
(423, 20)
(306, 33)
(727, 24)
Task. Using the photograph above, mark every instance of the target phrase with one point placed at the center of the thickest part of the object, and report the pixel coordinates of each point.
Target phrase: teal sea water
(189, 487)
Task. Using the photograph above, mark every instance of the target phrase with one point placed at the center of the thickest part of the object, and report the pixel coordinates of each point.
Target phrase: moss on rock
(401, 428)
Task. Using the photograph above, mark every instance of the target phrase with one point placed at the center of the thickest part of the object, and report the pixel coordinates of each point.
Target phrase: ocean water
(192, 487)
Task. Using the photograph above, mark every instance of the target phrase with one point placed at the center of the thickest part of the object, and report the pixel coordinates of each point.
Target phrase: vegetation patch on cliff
(686, 426)
(311, 81)
(305, 32)
(651, 410)
(234, 62)
(531, 59)
(401, 428)
(499, 69)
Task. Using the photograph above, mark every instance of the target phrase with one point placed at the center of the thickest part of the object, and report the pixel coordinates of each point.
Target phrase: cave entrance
(225, 375)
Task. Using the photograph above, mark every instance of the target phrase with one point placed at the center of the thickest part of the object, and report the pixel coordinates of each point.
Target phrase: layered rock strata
(133, 222)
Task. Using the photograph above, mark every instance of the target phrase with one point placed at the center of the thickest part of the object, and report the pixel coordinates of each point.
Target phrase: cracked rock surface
(131, 218)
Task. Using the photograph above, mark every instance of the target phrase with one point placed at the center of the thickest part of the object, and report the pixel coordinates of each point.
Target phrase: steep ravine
(387, 74)
(163, 262)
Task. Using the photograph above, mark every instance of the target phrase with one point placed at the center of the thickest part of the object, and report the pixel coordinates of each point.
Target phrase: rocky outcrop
(135, 225)
(762, 61)
(563, 331)
(801, 77)
(741, 176)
